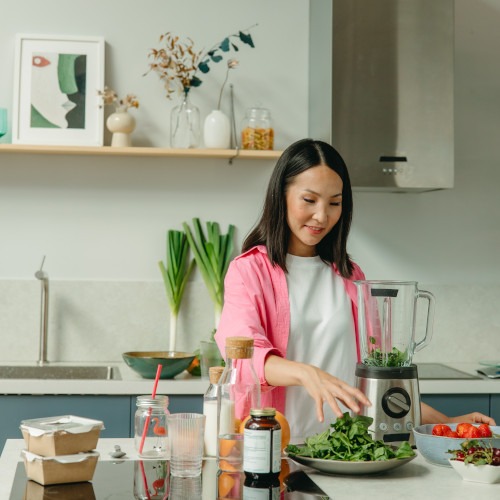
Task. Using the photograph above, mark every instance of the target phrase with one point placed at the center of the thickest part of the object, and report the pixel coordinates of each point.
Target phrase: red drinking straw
(148, 418)
(145, 481)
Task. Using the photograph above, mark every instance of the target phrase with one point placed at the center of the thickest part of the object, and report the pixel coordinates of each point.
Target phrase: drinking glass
(209, 356)
(186, 434)
(230, 457)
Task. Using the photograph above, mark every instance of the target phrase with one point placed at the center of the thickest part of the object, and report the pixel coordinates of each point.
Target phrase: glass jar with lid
(151, 415)
(256, 129)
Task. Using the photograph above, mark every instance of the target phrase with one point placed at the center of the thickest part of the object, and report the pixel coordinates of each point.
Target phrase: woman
(292, 290)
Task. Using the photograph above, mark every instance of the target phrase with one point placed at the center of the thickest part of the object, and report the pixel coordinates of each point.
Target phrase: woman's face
(314, 206)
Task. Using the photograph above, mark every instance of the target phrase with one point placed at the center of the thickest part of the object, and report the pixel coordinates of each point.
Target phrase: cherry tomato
(462, 428)
(440, 430)
(484, 430)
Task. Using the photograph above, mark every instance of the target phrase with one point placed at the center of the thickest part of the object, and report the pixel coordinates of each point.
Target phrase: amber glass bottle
(262, 445)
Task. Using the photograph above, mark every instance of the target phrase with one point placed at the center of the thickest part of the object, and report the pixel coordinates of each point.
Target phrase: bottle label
(276, 451)
(252, 493)
(262, 451)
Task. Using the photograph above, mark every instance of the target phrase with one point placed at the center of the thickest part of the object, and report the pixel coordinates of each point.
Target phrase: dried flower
(177, 62)
(110, 98)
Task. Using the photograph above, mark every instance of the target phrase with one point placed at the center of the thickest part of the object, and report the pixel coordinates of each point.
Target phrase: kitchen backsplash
(98, 321)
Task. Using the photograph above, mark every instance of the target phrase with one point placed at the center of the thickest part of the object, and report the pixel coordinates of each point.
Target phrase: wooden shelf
(228, 154)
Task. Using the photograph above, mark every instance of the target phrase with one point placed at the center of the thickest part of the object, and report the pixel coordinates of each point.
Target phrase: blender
(387, 313)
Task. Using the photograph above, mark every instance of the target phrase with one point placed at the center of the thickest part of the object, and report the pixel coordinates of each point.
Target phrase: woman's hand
(325, 388)
(432, 416)
(320, 385)
(472, 418)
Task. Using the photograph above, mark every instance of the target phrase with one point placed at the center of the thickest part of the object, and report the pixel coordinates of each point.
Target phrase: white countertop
(132, 384)
(415, 480)
(481, 385)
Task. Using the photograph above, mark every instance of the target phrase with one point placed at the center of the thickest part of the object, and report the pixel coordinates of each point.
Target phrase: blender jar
(387, 317)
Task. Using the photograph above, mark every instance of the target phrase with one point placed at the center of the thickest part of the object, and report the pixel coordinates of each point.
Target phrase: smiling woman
(292, 291)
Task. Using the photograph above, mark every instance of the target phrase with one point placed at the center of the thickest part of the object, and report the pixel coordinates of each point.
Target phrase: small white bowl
(478, 473)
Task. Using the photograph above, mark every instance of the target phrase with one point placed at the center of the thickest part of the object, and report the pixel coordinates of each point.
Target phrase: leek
(175, 274)
(212, 254)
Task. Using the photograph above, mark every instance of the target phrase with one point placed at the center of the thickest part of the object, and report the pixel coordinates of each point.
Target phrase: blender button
(409, 426)
(397, 426)
(383, 426)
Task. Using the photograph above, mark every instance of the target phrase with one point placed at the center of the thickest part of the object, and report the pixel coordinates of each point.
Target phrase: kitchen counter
(415, 480)
(131, 383)
(482, 385)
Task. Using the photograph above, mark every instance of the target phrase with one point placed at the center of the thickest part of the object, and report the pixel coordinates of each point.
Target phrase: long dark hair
(272, 229)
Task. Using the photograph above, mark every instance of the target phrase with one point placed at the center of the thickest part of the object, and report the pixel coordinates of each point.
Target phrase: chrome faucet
(44, 314)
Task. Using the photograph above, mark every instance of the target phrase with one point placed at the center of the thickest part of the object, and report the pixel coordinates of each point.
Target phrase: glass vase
(185, 130)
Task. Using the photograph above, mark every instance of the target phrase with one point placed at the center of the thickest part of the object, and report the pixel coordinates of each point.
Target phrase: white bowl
(478, 473)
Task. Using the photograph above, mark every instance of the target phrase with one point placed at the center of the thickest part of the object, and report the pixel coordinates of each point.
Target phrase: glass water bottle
(210, 410)
(239, 385)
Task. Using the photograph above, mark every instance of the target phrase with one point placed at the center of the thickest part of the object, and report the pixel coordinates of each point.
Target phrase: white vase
(217, 130)
(121, 124)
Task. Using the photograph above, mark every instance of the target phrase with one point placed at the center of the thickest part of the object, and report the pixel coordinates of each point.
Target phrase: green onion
(175, 275)
(212, 254)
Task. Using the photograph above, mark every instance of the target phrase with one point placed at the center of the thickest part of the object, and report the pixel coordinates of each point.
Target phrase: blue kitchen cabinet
(458, 404)
(176, 404)
(495, 407)
(114, 411)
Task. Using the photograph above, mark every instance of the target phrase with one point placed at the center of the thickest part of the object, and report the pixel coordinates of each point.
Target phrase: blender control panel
(396, 402)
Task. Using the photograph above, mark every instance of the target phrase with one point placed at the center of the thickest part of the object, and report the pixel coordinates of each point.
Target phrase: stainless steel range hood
(385, 97)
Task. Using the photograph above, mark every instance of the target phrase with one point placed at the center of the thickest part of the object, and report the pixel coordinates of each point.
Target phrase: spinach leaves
(349, 440)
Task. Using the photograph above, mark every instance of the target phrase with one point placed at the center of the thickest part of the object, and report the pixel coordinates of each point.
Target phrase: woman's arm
(321, 386)
(432, 416)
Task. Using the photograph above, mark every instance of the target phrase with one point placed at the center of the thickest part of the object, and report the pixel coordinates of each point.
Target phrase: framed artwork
(56, 79)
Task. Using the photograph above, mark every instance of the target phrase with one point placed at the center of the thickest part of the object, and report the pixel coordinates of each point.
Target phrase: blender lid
(386, 372)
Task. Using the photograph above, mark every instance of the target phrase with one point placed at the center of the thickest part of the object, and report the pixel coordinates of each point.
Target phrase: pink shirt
(256, 305)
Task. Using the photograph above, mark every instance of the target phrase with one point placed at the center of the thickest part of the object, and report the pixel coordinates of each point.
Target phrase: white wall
(102, 221)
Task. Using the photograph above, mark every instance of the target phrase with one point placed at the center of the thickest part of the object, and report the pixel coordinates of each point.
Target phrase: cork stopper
(239, 347)
(214, 373)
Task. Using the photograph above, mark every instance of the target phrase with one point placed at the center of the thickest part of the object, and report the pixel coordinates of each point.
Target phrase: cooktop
(428, 371)
(123, 480)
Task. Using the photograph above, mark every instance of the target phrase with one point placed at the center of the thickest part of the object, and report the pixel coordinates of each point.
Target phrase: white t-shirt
(322, 334)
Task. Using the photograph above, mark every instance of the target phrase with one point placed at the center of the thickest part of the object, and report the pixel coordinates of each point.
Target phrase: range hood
(385, 97)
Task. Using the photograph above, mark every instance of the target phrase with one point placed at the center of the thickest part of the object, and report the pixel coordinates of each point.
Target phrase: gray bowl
(145, 363)
(434, 448)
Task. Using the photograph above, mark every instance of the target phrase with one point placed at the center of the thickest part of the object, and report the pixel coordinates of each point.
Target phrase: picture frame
(56, 79)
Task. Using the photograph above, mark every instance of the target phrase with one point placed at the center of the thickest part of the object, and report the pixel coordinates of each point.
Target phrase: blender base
(395, 398)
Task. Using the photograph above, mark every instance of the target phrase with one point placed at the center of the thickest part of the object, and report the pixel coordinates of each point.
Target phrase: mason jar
(256, 129)
(150, 422)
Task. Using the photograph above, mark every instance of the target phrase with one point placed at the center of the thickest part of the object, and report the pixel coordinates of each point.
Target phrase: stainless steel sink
(60, 372)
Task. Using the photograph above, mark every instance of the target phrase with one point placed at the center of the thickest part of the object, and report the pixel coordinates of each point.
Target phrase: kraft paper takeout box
(60, 469)
(63, 435)
(72, 491)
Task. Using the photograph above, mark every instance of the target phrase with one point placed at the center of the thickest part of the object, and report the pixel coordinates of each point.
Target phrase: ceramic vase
(121, 124)
(185, 125)
(217, 130)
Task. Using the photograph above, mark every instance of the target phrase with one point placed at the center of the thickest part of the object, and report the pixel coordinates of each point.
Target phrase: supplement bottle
(262, 445)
